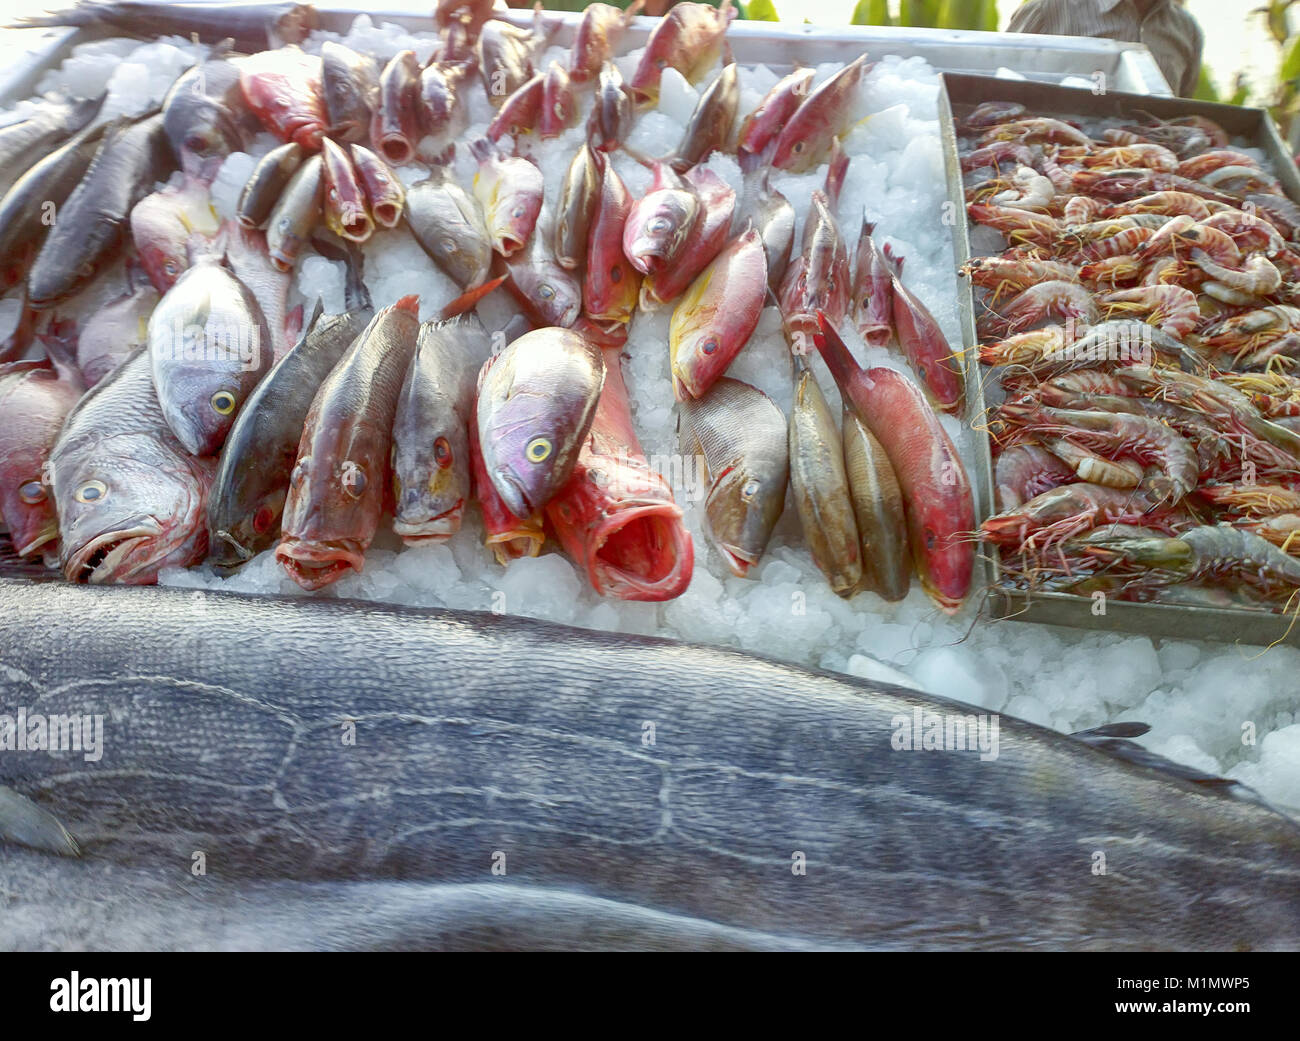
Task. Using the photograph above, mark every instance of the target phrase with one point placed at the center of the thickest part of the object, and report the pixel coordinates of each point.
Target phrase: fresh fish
(816, 280)
(448, 223)
(443, 112)
(611, 113)
(92, 223)
(559, 108)
(762, 126)
(924, 344)
(760, 749)
(596, 37)
(395, 129)
(509, 189)
(34, 401)
(717, 316)
(741, 433)
(775, 220)
(536, 402)
(709, 128)
(873, 290)
(506, 56)
(350, 85)
(205, 116)
(508, 537)
(252, 27)
(252, 480)
(578, 200)
(936, 491)
(705, 241)
(209, 345)
(806, 137)
(117, 329)
(345, 200)
(468, 13)
(170, 226)
(267, 183)
(611, 284)
(821, 486)
(548, 294)
(616, 517)
(878, 509)
(519, 113)
(342, 477)
(296, 213)
(431, 463)
(249, 258)
(130, 499)
(688, 38)
(26, 141)
(660, 222)
(385, 196)
(284, 88)
(32, 204)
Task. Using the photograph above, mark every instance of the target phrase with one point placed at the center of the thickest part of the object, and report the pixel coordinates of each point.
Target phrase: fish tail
(409, 303)
(469, 299)
(835, 352)
(895, 262)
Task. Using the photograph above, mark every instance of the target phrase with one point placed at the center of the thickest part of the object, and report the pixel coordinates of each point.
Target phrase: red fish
(611, 284)
(519, 112)
(508, 537)
(705, 241)
(925, 345)
(616, 517)
(688, 38)
(817, 279)
(762, 126)
(559, 107)
(824, 115)
(937, 496)
(873, 290)
(596, 37)
(395, 129)
(284, 88)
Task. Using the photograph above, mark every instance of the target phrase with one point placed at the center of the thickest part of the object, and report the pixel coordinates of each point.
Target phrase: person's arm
(1029, 18)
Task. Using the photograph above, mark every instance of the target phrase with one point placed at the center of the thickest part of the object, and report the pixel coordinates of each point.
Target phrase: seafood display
(308, 440)
(1141, 328)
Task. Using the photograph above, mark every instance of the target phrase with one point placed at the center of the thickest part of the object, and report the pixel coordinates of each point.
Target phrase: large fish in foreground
(521, 745)
(130, 499)
(25, 141)
(339, 485)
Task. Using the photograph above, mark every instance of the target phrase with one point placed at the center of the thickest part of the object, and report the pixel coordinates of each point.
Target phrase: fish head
(127, 507)
(241, 532)
(551, 295)
(658, 227)
(34, 405)
(431, 472)
(202, 132)
(611, 285)
(535, 407)
(449, 225)
(743, 506)
(512, 199)
(346, 213)
(350, 84)
(60, 271)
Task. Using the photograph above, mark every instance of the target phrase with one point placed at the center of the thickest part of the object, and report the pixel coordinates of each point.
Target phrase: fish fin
(26, 823)
(293, 323)
(469, 299)
(409, 303)
(836, 171)
(895, 262)
(60, 343)
(835, 352)
(356, 297)
(868, 227)
(1112, 730)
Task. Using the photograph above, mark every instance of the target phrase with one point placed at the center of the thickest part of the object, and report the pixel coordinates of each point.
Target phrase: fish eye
(32, 492)
(449, 245)
(710, 345)
(798, 147)
(662, 63)
(545, 291)
(262, 520)
(539, 448)
(616, 273)
(170, 268)
(353, 478)
(196, 143)
(87, 270)
(518, 211)
(442, 453)
(300, 471)
(223, 402)
(91, 491)
(750, 489)
(930, 538)
(657, 224)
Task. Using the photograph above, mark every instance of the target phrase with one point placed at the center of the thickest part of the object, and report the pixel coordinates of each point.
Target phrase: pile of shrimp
(1143, 322)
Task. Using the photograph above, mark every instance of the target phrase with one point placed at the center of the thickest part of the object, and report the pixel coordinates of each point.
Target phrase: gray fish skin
(117, 330)
(611, 113)
(268, 180)
(206, 118)
(610, 844)
(741, 433)
(449, 225)
(28, 140)
(578, 199)
(350, 83)
(296, 214)
(24, 215)
(252, 477)
(878, 507)
(431, 462)
(130, 499)
(203, 383)
(709, 128)
(775, 221)
(90, 226)
(821, 487)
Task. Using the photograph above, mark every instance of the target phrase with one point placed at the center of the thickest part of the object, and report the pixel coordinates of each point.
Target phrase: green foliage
(871, 12)
(919, 14)
(968, 14)
(761, 11)
(1205, 89)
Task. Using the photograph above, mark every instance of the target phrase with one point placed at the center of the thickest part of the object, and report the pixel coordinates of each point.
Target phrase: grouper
(371, 776)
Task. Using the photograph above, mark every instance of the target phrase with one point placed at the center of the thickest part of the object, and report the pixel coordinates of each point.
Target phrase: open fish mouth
(43, 537)
(435, 529)
(107, 558)
(738, 561)
(228, 553)
(512, 493)
(314, 565)
(641, 552)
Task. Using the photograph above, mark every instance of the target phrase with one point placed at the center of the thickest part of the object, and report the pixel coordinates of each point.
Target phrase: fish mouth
(949, 605)
(237, 553)
(435, 529)
(388, 214)
(512, 493)
(738, 561)
(100, 559)
(641, 552)
(396, 149)
(314, 565)
(43, 537)
(510, 244)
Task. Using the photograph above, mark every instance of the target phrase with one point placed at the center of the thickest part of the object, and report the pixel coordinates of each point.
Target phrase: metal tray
(958, 95)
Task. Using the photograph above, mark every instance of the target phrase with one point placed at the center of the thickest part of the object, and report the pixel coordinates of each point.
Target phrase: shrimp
(1055, 298)
(1172, 309)
(1024, 471)
(1246, 230)
(1253, 500)
(1112, 271)
(1093, 468)
(991, 113)
(1014, 274)
(1257, 276)
(1118, 136)
(1166, 271)
(1241, 180)
(1199, 165)
(1080, 209)
(1028, 190)
(1033, 349)
(1254, 328)
(1144, 155)
(1281, 529)
(1170, 203)
(1028, 131)
(1069, 510)
(996, 154)
(1117, 433)
(1129, 242)
(1019, 226)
